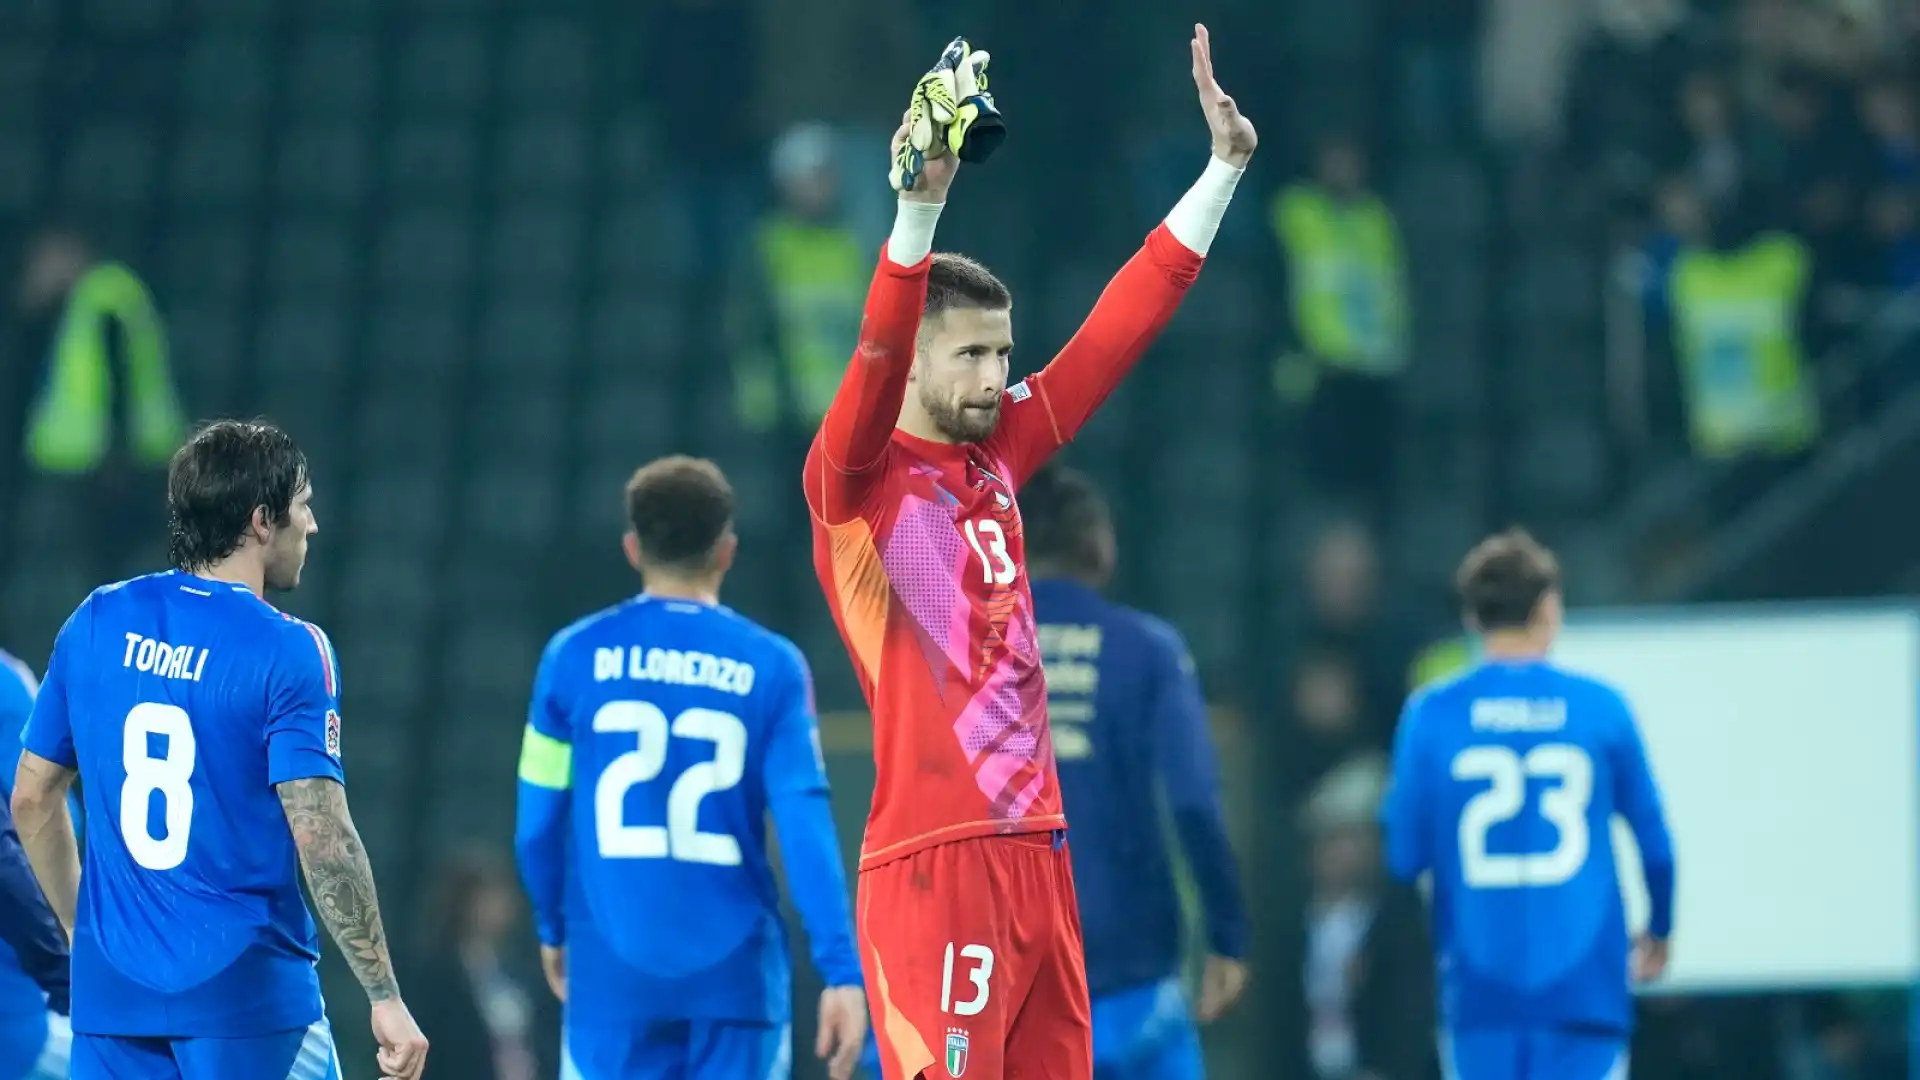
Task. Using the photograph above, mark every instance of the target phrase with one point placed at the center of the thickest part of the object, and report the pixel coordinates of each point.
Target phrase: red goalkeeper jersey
(918, 546)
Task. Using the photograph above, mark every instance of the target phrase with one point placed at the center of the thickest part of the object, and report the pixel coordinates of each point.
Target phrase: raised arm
(859, 423)
(1141, 298)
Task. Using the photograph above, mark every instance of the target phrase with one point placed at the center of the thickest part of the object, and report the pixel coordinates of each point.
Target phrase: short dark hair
(225, 472)
(1062, 513)
(1503, 579)
(679, 507)
(955, 281)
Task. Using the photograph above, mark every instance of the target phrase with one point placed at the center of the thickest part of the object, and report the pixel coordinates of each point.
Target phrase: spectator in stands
(1887, 114)
(1346, 271)
(1738, 306)
(481, 1015)
(93, 402)
(1348, 615)
(798, 295)
(1620, 120)
(1711, 154)
(1369, 984)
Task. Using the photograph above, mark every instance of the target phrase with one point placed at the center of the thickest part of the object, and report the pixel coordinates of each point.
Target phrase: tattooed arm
(340, 879)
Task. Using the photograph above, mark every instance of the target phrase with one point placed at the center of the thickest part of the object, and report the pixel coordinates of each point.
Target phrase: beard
(283, 568)
(959, 422)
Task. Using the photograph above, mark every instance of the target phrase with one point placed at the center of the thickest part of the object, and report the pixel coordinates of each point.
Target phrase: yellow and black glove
(951, 113)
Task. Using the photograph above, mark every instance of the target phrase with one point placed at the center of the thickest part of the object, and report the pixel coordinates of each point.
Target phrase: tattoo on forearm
(340, 879)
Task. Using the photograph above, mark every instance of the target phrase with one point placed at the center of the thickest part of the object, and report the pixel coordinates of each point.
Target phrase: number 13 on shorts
(981, 959)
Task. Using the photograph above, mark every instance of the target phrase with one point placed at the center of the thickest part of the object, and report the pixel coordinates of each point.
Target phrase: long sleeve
(1190, 776)
(1051, 407)
(541, 814)
(859, 423)
(1637, 798)
(811, 852)
(27, 923)
(796, 780)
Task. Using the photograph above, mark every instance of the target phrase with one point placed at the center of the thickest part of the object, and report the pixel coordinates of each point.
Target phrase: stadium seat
(543, 154)
(21, 165)
(635, 330)
(536, 248)
(428, 248)
(312, 257)
(513, 504)
(548, 62)
(224, 74)
(206, 259)
(24, 57)
(443, 68)
(209, 338)
(404, 506)
(323, 164)
(332, 76)
(431, 159)
(108, 165)
(216, 166)
(643, 243)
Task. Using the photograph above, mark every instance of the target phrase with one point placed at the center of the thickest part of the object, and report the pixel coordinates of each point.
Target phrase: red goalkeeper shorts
(974, 962)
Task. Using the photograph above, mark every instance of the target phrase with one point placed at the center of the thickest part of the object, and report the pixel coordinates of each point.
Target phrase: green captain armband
(546, 761)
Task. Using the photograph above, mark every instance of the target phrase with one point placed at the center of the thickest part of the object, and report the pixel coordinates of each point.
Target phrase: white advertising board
(1786, 742)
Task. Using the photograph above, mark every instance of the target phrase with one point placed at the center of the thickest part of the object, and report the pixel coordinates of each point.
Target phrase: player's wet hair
(679, 507)
(228, 469)
(955, 281)
(1062, 514)
(1503, 579)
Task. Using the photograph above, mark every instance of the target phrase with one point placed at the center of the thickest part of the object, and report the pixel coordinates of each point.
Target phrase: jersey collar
(942, 452)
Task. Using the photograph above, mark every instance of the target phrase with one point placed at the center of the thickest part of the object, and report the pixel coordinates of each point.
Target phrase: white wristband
(1196, 217)
(912, 238)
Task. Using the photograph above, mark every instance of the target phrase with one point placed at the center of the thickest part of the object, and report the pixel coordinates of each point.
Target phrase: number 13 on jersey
(989, 542)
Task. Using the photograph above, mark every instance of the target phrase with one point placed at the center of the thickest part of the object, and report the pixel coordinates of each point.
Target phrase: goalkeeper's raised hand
(951, 114)
(1233, 136)
(929, 178)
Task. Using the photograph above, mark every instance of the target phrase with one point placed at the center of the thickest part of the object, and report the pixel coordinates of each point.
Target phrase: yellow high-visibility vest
(70, 427)
(818, 276)
(1347, 276)
(1736, 321)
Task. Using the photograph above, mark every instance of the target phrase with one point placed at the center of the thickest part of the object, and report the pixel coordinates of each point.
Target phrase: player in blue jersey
(205, 727)
(662, 733)
(34, 1034)
(1131, 739)
(1505, 782)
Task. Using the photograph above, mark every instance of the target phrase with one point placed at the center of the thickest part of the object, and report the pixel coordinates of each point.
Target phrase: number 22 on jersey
(1564, 805)
(680, 838)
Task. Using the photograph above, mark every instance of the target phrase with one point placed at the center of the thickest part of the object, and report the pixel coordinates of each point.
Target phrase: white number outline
(1564, 806)
(680, 838)
(999, 570)
(171, 776)
(982, 956)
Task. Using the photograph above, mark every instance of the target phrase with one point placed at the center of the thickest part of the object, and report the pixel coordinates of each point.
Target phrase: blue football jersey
(668, 727)
(18, 993)
(1505, 784)
(1133, 749)
(182, 702)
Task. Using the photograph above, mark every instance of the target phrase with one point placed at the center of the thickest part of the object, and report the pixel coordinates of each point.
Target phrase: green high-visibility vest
(818, 276)
(1737, 328)
(70, 427)
(1348, 277)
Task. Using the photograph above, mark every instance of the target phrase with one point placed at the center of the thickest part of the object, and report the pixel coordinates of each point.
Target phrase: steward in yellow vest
(1736, 328)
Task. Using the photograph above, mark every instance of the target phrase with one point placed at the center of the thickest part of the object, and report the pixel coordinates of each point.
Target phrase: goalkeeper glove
(951, 112)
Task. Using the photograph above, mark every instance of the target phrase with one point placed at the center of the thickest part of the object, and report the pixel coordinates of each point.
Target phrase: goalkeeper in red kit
(967, 921)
